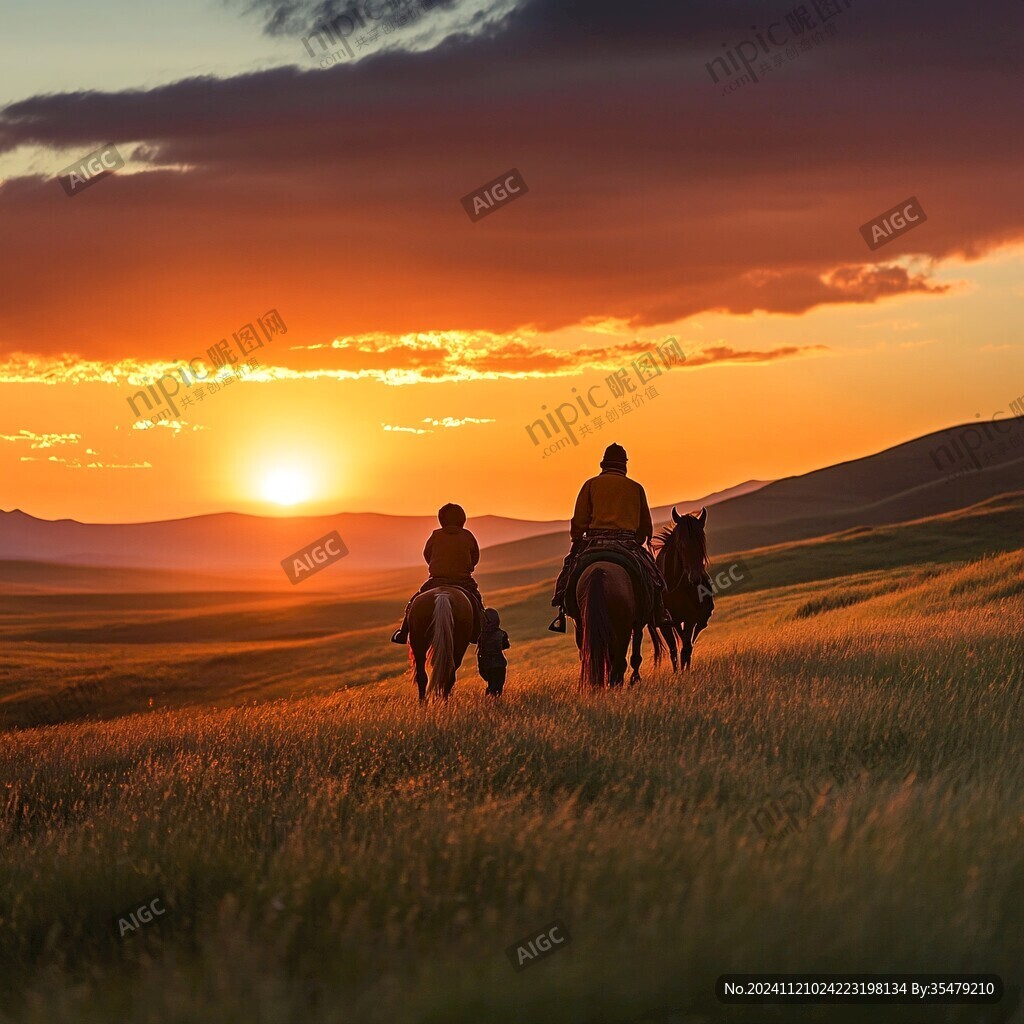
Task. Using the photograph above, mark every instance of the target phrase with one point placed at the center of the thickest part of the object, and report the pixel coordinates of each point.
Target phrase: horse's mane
(684, 547)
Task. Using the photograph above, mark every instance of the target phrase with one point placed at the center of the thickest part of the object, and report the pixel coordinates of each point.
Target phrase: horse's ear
(703, 517)
(676, 516)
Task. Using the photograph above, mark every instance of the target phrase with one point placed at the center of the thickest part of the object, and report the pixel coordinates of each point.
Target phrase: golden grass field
(330, 851)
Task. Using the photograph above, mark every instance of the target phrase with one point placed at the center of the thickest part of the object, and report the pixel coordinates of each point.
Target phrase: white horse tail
(442, 644)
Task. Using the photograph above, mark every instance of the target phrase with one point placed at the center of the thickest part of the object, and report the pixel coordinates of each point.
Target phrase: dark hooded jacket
(492, 641)
(452, 551)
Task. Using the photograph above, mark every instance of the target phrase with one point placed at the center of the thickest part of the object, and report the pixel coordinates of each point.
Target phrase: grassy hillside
(66, 655)
(737, 528)
(897, 485)
(355, 857)
(928, 476)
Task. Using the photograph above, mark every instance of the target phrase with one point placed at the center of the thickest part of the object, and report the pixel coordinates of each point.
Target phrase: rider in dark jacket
(451, 554)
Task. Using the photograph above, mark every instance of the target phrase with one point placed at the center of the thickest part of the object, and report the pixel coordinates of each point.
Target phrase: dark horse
(683, 559)
(606, 624)
(440, 624)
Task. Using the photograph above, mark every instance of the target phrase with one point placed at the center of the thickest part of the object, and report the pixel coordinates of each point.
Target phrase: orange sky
(420, 345)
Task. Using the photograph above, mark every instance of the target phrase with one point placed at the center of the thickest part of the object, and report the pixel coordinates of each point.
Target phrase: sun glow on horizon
(286, 485)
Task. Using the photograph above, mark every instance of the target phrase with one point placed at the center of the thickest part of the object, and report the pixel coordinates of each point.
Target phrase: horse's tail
(596, 648)
(442, 644)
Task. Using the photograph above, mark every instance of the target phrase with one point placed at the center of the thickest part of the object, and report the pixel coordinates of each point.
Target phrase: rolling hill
(909, 481)
(230, 544)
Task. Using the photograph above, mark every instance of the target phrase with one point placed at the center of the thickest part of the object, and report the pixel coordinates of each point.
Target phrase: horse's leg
(420, 671)
(620, 650)
(463, 625)
(451, 678)
(698, 627)
(416, 621)
(618, 674)
(669, 633)
(636, 658)
(687, 635)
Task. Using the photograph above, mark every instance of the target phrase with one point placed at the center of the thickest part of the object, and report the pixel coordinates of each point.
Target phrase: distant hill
(923, 477)
(230, 544)
(664, 512)
(928, 476)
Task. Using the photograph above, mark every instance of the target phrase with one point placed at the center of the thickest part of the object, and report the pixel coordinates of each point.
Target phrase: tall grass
(361, 858)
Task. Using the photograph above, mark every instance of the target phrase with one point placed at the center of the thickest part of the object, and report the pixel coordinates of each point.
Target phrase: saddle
(637, 575)
(436, 582)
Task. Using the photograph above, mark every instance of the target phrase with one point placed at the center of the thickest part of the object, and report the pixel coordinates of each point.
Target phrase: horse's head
(701, 516)
(685, 547)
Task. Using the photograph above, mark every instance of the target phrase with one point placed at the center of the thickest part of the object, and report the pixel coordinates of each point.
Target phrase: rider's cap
(614, 457)
(451, 515)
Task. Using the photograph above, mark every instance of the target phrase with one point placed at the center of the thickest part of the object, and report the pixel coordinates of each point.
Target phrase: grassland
(350, 856)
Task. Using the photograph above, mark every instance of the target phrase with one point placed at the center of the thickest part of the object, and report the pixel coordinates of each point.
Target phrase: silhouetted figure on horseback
(609, 583)
(451, 554)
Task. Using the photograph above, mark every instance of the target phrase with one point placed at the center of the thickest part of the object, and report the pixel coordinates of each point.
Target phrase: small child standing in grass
(489, 657)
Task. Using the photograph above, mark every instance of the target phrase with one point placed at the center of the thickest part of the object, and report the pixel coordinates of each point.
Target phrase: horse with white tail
(440, 629)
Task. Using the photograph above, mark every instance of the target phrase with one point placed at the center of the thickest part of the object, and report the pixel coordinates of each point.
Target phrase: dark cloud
(334, 194)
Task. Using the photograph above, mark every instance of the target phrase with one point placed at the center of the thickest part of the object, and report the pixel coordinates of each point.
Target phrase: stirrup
(558, 623)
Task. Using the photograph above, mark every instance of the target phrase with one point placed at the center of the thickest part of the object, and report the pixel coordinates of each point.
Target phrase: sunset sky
(418, 346)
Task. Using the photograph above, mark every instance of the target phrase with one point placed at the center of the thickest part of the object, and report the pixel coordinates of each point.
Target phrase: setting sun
(285, 486)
